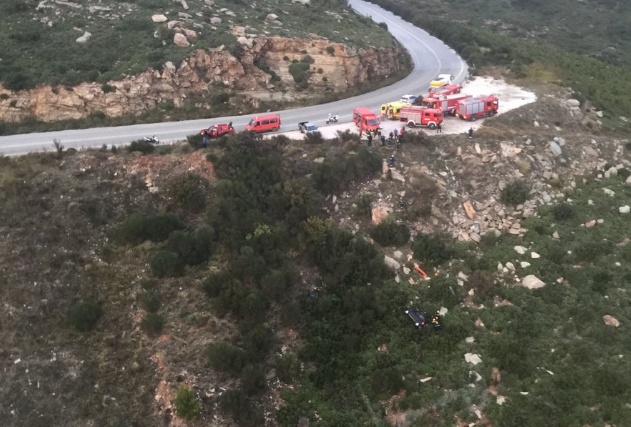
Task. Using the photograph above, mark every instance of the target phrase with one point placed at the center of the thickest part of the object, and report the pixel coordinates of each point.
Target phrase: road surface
(430, 56)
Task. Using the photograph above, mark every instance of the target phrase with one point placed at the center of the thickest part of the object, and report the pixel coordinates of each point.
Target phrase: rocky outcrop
(336, 68)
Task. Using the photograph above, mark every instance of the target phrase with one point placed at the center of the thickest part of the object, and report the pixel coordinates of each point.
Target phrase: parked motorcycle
(332, 119)
(152, 139)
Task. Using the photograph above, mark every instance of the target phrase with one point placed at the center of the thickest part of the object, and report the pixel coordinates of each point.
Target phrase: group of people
(394, 137)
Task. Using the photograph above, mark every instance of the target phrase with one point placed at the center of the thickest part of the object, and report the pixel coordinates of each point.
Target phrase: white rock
(525, 264)
(215, 20)
(534, 255)
(532, 282)
(611, 321)
(628, 180)
(391, 262)
(159, 18)
(624, 209)
(180, 40)
(271, 17)
(472, 358)
(556, 149)
(520, 250)
(84, 38)
(555, 235)
(477, 376)
(406, 270)
(469, 340)
(397, 254)
(443, 311)
(510, 266)
(609, 192)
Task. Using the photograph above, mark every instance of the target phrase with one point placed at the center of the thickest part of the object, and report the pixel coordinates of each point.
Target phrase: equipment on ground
(421, 116)
(215, 131)
(332, 119)
(152, 139)
(474, 108)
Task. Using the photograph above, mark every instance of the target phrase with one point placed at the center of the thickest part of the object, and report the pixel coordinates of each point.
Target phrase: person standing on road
(470, 133)
(396, 132)
(439, 128)
(369, 137)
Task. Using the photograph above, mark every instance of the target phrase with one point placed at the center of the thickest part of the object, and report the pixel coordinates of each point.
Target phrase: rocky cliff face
(336, 68)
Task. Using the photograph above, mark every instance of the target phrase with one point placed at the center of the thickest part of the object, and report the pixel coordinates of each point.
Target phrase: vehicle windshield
(311, 127)
(252, 123)
(372, 122)
(427, 104)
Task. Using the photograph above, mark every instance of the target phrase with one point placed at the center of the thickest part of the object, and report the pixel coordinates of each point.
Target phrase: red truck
(215, 131)
(474, 108)
(445, 90)
(421, 116)
(446, 103)
(365, 119)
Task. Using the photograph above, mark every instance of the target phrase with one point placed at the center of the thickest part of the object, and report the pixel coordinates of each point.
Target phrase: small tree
(516, 193)
(85, 315)
(389, 233)
(152, 324)
(186, 405)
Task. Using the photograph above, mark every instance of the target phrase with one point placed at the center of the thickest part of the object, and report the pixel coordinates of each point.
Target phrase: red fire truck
(421, 116)
(446, 103)
(365, 119)
(445, 90)
(474, 108)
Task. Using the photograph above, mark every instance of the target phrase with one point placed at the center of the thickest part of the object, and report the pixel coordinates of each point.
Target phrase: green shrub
(85, 315)
(383, 25)
(220, 98)
(387, 381)
(107, 88)
(188, 191)
(300, 72)
(152, 324)
(330, 50)
(516, 193)
(215, 282)
(390, 233)
(257, 342)
(186, 405)
(363, 208)
(253, 379)
(151, 301)
(195, 140)
(141, 145)
(563, 211)
(482, 282)
(225, 357)
(314, 138)
(166, 264)
(191, 248)
(137, 228)
(287, 368)
(430, 248)
(236, 404)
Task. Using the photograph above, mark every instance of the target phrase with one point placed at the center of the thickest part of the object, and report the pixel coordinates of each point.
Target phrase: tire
(432, 126)
(474, 118)
(411, 124)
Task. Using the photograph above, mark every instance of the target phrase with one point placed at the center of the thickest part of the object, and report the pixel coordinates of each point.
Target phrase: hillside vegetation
(39, 44)
(535, 46)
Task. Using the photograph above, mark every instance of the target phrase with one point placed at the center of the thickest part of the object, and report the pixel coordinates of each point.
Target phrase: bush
(188, 191)
(300, 72)
(220, 98)
(141, 145)
(195, 140)
(515, 193)
(151, 301)
(253, 379)
(236, 404)
(287, 368)
(137, 228)
(314, 138)
(107, 88)
(225, 357)
(330, 50)
(186, 405)
(387, 381)
(191, 248)
(85, 315)
(430, 248)
(383, 25)
(166, 264)
(215, 282)
(152, 324)
(363, 207)
(563, 211)
(482, 282)
(390, 233)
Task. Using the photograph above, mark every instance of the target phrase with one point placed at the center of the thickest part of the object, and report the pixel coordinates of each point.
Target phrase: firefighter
(402, 131)
(439, 128)
(436, 322)
(400, 142)
(396, 132)
(401, 202)
(369, 137)
(383, 140)
(379, 132)
(391, 137)
(470, 133)
(360, 133)
(392, 160)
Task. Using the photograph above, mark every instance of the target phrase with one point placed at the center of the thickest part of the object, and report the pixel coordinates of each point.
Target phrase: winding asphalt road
(430, 55)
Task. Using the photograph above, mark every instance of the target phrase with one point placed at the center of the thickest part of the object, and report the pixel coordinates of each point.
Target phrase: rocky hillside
(160, 52)
(264, 282)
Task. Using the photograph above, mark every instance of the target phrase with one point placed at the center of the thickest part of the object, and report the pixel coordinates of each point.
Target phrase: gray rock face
(532, 282)
(84, 38)
(391, 262)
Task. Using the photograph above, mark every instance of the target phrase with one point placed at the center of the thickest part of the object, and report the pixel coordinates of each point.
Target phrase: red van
(264, 123)
(365, 119)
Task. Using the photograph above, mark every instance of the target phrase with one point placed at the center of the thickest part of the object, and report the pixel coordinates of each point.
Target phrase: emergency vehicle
(478, 107)
(391, 110)
(445, 90)
(441, 80)
(365, 119)
(216, 131)
(446, 103)
(421, 116)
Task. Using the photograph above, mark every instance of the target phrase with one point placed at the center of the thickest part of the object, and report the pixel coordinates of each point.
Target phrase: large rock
(379, 214)
(611, 321)
(472, 358)
(556, 149)
(190, 34)
(532, 282)
(391, 262)
(180, 40)
(215, 20)
(272, 17)
(159, 18)
(84, 38)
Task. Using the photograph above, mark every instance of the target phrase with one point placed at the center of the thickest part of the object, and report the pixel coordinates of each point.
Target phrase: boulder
(556, 149)
(534, 255)
(520, 250)
(272, 17)
(573, 103)
(303, 2)
(159, 18)
(532, 282)
(84, 38)
(468, 207)
(472, 358)
(391, 262)
(628, 180)
(591, 152)
(180, 40)
(190, 34)
(397, 175)
(215, 20)
(624, 209)
(524, 264)
(173, 24)
(611, 321)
